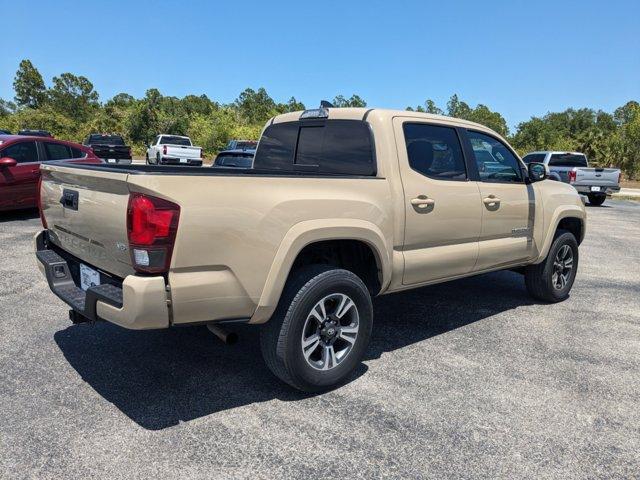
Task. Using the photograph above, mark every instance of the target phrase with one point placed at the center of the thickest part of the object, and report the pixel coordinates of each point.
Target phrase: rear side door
(508, 203)
(442, 202)
(18, 184)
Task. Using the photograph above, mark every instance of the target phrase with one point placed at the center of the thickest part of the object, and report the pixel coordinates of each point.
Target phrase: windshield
(227, 160)
(173, 140)
(106, 140)
(568, 160)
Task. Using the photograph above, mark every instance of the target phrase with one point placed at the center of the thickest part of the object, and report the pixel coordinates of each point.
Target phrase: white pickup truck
(573, 168)
(173, 150)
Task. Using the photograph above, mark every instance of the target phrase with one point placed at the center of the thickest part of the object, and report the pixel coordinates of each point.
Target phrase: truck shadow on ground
(161, 378)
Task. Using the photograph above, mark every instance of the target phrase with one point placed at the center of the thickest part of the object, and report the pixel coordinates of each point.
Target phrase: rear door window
(332, 147)
(22, 152)
(56, 151)
(434, 151)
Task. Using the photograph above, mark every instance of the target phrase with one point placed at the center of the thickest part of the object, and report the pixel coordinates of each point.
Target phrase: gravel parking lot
(466, 379)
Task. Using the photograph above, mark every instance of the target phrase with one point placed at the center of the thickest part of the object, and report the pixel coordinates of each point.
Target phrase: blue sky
(521, 58)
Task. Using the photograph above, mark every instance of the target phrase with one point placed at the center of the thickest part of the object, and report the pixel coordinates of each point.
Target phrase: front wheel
(597, 200)
(320, 330)
(552, 279)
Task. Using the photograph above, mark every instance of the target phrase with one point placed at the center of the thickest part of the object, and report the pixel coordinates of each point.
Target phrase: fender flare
(312, 231)
(558, 216)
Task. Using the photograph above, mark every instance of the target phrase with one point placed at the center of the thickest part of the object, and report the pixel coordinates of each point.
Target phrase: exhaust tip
(228, 338)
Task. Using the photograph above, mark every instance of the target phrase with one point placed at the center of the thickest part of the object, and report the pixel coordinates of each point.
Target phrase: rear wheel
(320, 330)
(597, 200)
(552, 279)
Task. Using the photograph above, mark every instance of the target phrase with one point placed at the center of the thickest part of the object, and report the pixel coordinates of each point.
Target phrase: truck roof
(381, 113)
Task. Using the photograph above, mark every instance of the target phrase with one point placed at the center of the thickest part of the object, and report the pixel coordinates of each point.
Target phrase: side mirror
(537, 172)
(7, 162)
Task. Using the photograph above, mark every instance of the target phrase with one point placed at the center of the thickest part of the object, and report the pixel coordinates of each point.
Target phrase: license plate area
(88, 277)
(595, 189)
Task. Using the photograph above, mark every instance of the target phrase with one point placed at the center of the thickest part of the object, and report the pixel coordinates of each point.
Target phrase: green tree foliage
(70, 109)
(459, 109)
(73, 96)
(355, 101)
(29, 86)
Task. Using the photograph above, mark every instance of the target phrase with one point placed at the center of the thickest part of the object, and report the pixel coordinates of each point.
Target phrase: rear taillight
(164, 149)
(619, 177)
(42, 219)
(572, 176)
(152, 224)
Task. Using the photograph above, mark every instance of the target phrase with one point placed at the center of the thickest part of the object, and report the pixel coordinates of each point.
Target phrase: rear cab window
(567, 160)
(174, 140)
(105, 140)
(333, 147)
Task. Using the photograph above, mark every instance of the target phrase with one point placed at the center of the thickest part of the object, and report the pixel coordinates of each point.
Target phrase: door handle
(491, 200)
(422, 202)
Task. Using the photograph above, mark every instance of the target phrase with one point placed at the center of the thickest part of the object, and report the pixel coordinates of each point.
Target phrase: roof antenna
(325, 104)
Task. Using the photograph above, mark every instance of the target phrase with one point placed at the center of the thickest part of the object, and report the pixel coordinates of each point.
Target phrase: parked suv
(573, 168)
(20, 160)
(341, 205)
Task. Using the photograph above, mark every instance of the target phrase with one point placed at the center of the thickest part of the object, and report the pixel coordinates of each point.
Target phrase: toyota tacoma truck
(173, 150)
(573, 168)
(341, 205)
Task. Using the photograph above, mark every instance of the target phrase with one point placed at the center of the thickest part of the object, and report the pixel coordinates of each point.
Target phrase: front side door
(442, 204)
(507, 203)
(18, 184)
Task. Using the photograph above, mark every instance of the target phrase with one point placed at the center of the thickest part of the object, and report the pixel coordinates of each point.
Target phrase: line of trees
(70, 108)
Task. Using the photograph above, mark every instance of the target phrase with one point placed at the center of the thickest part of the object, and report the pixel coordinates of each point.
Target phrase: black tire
(281, 337)
(539, 278)
(597, 200)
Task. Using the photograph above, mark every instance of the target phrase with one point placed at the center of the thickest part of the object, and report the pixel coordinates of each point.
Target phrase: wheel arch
(325, 232)
(571, 219)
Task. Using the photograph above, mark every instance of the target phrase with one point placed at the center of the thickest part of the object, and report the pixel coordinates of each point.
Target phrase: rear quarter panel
(232, 229)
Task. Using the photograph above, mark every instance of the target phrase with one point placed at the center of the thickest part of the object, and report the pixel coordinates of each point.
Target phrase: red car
(20, 158)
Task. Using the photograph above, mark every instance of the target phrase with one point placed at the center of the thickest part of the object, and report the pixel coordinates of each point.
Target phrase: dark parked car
(109, 147)
(35, 133)
(234, 158)
(20, 158)
(4, 132)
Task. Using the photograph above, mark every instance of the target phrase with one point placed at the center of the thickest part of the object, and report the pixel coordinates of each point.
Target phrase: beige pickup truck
(340, 205)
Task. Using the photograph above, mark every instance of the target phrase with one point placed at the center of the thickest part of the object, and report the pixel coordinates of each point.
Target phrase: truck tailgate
(86, 213)
(604, 177)
(182, 151)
